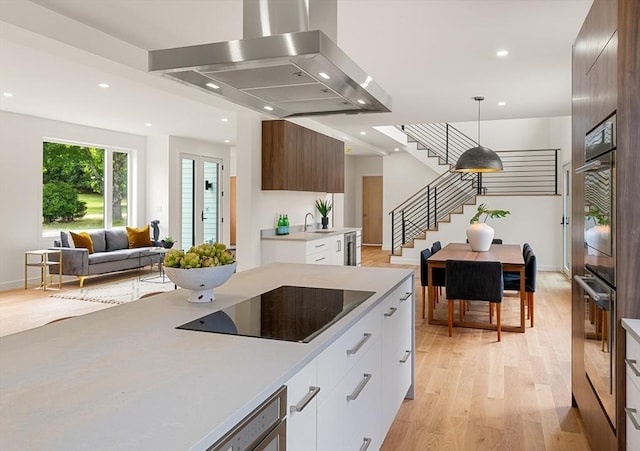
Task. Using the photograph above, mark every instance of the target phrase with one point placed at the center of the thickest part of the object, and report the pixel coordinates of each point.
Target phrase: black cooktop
(285, 313)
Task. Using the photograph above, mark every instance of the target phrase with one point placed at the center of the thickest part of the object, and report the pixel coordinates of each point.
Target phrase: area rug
(116, 293)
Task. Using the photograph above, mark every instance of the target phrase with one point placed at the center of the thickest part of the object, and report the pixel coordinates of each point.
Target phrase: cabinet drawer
(336, 361)
(633, 361)
(351, 411)
(316, 246)
(632, 410)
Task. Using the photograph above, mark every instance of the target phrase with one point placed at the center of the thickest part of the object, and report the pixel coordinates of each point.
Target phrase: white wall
(355, 167)
(21, 140)
(402, 177)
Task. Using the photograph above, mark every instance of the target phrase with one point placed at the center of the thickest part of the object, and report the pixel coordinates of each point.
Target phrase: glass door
(200, 215)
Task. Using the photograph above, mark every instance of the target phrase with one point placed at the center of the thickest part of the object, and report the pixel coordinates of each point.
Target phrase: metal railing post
(446, 149)
(435, 205)
(404, 230)
(479, 190)
(428, 209)
(556, 171)
(393, 233)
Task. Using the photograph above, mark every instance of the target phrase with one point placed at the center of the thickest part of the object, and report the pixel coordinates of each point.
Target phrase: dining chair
(474, 281)
(424, 276)
(512, 282)
(438, 274)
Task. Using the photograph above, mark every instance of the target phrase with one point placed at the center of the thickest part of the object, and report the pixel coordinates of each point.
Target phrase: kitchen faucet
(305, 220)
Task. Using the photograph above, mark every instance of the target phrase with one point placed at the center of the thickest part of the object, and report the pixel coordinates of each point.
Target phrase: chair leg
(531, 309)
(450, 316)
(424, 300)
(461, 309)
(498, 324)
(490, 312)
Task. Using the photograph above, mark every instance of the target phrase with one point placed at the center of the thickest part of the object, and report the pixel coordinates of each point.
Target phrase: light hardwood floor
(472, 393)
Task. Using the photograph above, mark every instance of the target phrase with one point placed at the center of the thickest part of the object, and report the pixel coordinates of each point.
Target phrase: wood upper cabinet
(295, 158)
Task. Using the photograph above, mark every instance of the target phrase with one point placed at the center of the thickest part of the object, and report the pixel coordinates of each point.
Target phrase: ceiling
(432, 57)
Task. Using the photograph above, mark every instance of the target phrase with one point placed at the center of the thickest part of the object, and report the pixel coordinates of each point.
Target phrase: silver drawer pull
(313, 391)
(633, 364)
(357, 347)
(406, 356)
(365, 444)
(365, 380)
(321, 245)
(631, 413)
(320, 259)
(391, 312)
(406, 296)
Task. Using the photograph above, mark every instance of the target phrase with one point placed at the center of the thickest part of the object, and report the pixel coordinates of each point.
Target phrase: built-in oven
(264, 429)
(598, 283)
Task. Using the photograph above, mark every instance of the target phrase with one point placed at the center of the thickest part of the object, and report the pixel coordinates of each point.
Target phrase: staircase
(525, 172)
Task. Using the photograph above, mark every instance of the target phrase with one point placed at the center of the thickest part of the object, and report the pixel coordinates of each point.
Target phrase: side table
(43, 263)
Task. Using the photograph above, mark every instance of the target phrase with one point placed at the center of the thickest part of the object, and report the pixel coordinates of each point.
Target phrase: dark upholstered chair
(474, 281)
(424, 276)
(439, 275)
(512, 281)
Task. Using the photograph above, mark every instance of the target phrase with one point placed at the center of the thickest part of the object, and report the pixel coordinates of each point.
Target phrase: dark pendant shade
(479, 159)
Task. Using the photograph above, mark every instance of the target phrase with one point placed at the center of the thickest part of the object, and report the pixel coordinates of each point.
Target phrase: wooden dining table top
(507, 254)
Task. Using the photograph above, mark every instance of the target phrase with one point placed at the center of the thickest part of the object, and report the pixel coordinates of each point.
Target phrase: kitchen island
(125, 378)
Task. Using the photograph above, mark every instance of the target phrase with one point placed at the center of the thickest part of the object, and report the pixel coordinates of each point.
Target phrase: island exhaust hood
(285, 66)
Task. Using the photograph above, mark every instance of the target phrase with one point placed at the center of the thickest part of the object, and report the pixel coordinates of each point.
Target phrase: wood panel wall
(606, 79)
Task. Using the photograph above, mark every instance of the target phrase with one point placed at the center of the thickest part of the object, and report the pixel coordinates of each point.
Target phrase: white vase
(480, 236)
(200, 282)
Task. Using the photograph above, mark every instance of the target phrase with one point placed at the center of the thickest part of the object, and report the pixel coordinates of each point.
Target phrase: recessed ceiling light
(502, 103)
(7, 94)
(213, 86)
(103, 85)
(361, 102)
(502, 53)
(148, 124)
(268, 108)
(224, 119)
(324, 75)
(363, 133)
(396, 149)
(227, 141)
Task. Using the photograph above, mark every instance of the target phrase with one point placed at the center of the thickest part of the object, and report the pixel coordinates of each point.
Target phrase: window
(83, 187)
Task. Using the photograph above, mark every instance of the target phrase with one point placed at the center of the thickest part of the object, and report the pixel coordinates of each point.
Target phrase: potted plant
(480, 234)
(168, 242)
(324, 207)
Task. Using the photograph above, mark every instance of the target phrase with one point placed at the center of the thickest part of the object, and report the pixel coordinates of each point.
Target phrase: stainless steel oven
(599, 280)
(264, 429)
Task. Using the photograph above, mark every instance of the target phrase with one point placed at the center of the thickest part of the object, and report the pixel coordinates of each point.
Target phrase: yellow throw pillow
(83, 240)
(138, 237)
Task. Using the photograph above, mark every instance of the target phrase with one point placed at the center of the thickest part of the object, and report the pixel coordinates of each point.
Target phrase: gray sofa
(111, 254)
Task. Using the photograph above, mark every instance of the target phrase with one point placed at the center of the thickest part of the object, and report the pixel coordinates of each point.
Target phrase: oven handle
(598, 297)
(591, 166)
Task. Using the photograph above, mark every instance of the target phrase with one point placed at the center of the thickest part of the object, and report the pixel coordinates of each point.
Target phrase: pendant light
(479, 159)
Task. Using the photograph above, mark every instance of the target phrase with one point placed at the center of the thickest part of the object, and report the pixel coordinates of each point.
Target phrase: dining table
(510, 255)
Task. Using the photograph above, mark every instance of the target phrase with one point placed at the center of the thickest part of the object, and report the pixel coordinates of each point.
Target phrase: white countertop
(632, 326)
(310, 236)
(125, 378)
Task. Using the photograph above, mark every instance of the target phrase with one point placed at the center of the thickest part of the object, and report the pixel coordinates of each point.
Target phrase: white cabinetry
(358, 247)
(302, 391)
(322, 251)
(362, 378)
(632, 405)
(397, 355)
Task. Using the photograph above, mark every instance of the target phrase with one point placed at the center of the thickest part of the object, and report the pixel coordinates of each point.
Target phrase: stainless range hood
(293, 73)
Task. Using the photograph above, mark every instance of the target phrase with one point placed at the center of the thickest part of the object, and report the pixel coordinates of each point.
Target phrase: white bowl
(201, 281)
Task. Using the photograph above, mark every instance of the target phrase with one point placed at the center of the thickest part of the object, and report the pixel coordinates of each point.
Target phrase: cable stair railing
(526, 172)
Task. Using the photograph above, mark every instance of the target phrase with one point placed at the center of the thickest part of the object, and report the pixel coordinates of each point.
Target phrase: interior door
(566, 213)
(200, 201)
(372, 209)
(232, 210)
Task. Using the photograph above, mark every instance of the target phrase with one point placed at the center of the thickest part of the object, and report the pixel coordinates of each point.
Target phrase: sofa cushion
(139, 237)
(83, 240)
(116, 239)
(99, 242)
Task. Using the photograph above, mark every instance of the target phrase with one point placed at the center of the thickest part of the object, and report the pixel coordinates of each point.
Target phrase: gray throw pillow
(99, 242)
(116, 239)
